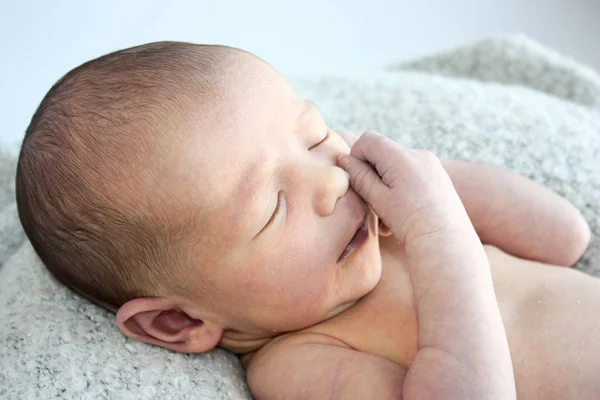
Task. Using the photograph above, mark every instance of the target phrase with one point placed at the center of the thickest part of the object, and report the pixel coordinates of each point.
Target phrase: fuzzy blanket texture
(504, 100)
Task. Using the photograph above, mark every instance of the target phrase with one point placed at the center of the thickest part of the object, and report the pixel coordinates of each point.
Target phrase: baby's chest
(552, 326)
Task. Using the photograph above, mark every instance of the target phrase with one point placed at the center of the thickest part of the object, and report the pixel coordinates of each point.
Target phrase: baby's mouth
(357, 240)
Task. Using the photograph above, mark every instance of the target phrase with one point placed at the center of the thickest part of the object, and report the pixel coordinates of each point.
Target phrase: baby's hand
(460, 327)
(407, 188)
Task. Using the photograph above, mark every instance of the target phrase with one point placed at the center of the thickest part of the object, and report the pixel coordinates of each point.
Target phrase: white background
(41, 40)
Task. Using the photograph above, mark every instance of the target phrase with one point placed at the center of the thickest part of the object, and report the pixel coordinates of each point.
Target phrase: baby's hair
(86, 193)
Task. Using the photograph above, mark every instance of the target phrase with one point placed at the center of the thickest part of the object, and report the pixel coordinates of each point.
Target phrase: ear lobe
(159, 322)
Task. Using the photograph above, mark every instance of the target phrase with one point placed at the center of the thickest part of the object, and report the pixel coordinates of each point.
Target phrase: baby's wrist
(432, 223)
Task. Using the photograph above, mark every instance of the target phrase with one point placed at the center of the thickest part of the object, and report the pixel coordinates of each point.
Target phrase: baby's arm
(519, 215)
(462, 347)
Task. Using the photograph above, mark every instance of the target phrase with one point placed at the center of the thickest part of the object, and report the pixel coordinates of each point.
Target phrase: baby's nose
(332, 183)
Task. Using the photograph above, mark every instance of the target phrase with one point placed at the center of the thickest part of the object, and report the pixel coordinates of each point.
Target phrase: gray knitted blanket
(505, 100)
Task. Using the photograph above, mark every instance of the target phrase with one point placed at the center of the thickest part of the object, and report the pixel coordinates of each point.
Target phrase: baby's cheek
(308, 282)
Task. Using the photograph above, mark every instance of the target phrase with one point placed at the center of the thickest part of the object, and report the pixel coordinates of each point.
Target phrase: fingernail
(343, 162)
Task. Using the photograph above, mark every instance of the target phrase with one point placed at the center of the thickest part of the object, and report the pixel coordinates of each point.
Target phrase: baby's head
(190, 190)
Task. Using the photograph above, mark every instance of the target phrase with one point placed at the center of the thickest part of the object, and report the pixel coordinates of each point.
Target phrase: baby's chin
(368, 284)
(340, 309)
(349, 304)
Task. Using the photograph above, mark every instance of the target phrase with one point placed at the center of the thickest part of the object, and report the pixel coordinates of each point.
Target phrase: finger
(364, 180)
(370, 146)
(379, 151)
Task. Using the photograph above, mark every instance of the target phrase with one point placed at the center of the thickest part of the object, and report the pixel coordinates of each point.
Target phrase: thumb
(364, 180)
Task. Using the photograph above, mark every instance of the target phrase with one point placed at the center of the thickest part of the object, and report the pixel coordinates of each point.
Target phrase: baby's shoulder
(318, 365)
(284, 343)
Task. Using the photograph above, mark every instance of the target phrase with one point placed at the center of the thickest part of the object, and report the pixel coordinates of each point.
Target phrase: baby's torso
(550, 315)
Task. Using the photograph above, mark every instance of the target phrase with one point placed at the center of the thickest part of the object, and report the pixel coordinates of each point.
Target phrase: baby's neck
(243, 343)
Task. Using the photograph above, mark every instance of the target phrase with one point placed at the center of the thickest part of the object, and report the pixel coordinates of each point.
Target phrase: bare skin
(545, 310)
(270, 286)
(540, 326)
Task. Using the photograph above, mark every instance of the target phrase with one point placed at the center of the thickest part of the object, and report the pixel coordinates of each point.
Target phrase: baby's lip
(360, 236)
(358, 216)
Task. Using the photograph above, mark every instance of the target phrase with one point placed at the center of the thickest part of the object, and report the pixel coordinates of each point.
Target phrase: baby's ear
(158, 321)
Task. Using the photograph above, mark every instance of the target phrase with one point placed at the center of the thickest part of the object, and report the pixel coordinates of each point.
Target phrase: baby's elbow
(577, 239)
(584, 235)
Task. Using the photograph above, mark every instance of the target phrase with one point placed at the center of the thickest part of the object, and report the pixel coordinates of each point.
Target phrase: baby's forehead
(215, 177)
(231, 141)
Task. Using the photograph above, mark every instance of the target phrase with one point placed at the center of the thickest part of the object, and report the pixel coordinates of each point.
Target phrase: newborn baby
(189, 189)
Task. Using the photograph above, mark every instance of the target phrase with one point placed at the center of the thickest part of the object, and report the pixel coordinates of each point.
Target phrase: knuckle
(361, 181)
(372, 136)
(371, 141)
(371, 133)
